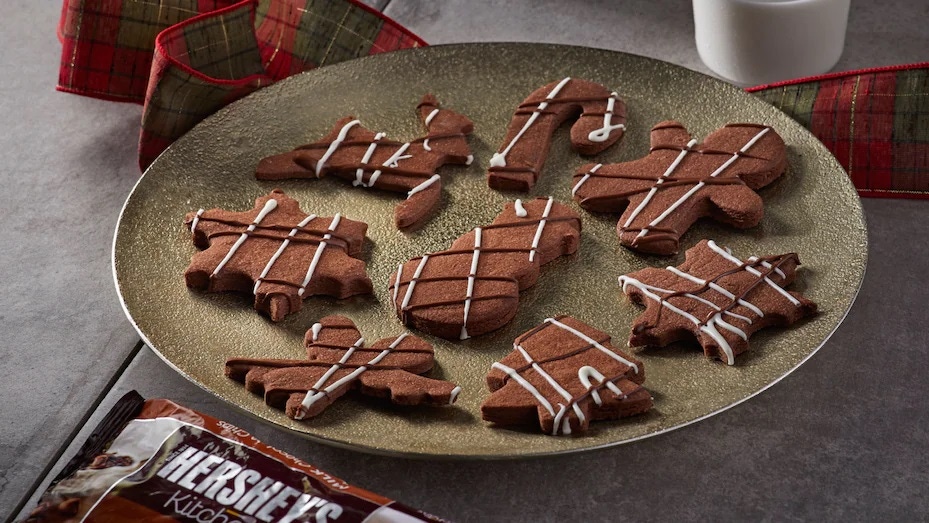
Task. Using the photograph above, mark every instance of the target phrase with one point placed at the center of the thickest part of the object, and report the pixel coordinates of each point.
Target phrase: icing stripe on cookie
(603, 134)
(586, 177)
(472, 275)
(276, 255)
(538, 232)
(593, 342)
(270, 205)
(333, 225)
(359, 173)
(314, 394)
(499, 159)
(700, 185)
(754, 271)
(343, 133)
(424, 185)
(668, 172)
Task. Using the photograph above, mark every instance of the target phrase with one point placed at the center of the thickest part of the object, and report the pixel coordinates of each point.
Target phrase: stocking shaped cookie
(338, 361)
(473, 287)
(370, 160)
(278, 253)
(518, 163)
(716, 298)
(563, 374)
(664, 193)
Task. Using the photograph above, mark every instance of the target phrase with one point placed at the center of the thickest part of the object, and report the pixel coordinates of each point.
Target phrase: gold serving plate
(812, 210)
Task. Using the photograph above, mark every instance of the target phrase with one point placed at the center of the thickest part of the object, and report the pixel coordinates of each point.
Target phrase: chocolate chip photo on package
(156, 461)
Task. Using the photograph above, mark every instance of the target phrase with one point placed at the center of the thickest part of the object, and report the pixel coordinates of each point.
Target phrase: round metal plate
(812, 210)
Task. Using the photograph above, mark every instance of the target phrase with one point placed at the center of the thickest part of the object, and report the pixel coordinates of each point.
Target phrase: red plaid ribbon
(184, 59)
(875, 122)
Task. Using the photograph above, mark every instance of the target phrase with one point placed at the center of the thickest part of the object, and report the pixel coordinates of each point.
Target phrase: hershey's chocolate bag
(156, 461)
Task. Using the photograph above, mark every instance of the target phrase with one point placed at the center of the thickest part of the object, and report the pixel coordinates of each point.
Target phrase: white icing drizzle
(434, 178)
(428, 121)
(709, 328)
(520, 210)
(431, 116)
(561, 422)
(269, 206)
(454, 395)
(528, 386)
(585, 373)
(196, 220)
(277, 254)
(558, 388)
(766, 265)
(470, 159)
(754, 271)
(670, 170)
(538, 231)
(409, 288)
(390, 162)
(499, 159)
(584, 179)
(721, 290)
(472, 275)
(700, 185)
(397, 285)
(396, 162)
(334, 145)
(359, 173)
(594, 343)
(313, 397)
(319, 252)
(602, 134)
(315, 329)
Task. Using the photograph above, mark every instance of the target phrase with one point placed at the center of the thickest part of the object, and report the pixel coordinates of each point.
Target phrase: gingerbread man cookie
(662, 194)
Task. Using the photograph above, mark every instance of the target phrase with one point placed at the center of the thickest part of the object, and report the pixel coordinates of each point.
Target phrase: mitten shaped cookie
(562, 375)
(518, 163)
(370, 160)
(338, 361)
(662, 194)
(278, 253)
(716, 298)
(473, 287)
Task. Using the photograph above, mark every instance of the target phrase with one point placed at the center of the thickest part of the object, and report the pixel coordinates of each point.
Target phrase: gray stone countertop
(842, 438)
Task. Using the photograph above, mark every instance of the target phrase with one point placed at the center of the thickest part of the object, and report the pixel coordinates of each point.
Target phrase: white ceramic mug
(754, 42)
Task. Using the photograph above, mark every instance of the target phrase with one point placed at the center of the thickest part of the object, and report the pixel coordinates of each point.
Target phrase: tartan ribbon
(185, 59)
(875, 122)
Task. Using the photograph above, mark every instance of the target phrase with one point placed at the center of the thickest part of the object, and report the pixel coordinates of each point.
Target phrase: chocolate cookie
(662, 194)
(338, 361)
(473, 287)
(561, 375)
(716, 298)
(277, 253)
(369, 159)
(518, 163)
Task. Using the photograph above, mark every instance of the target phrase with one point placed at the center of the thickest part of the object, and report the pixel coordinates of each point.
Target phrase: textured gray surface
(843, 438)
(68, 163)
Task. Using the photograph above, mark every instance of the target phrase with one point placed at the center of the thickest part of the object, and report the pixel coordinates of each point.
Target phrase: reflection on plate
(812, 210)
